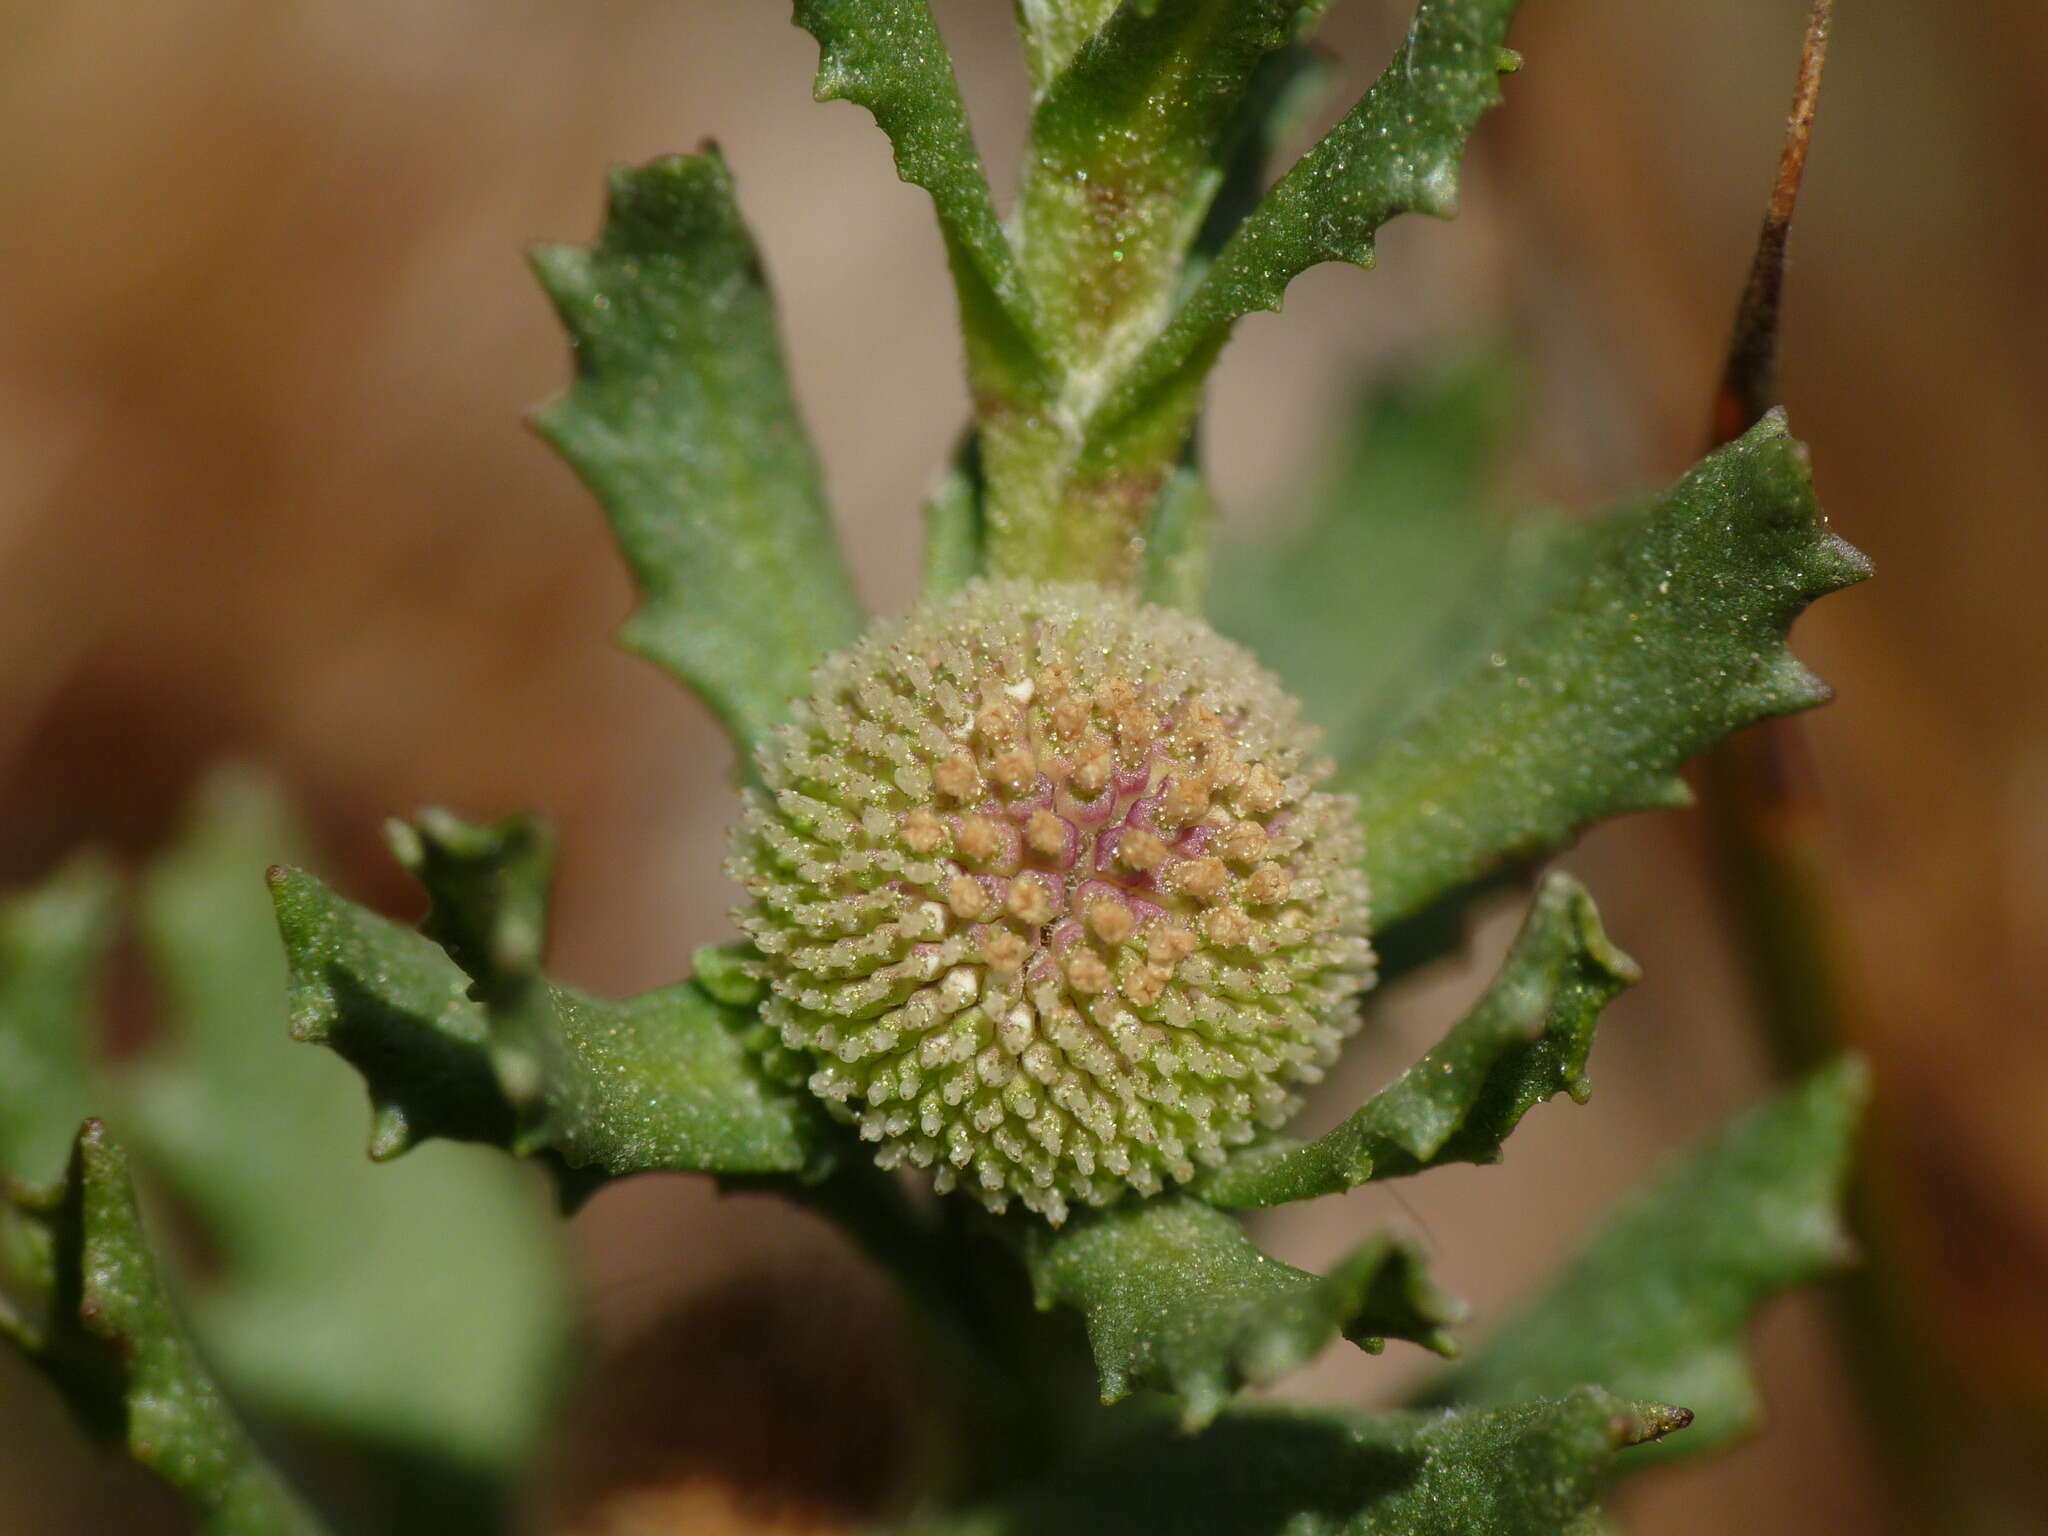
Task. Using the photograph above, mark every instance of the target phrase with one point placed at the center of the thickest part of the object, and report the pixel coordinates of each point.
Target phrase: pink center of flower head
(1045, 893)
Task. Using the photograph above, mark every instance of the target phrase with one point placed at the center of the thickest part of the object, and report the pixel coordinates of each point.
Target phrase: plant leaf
(887, 56)
(600, 1088)
(1177, 547)
(1128, 149)
(1374, 596)
(1053, 32)
(1659, 1301)
(1177, 1298)
(681, 420)
(1533, 1469)
(1526, 1040)
(96, 1319)
(1672, 636)
(1397, 151)
(427, 1310)
(52, 941)
(954, 533)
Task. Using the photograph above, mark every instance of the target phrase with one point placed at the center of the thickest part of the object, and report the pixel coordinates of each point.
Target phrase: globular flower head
(1046, 895)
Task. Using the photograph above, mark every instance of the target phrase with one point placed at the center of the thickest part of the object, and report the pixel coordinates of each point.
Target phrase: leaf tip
(1645, 1423)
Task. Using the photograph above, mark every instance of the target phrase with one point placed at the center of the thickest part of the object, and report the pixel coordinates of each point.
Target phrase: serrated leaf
(1673, 635)
(427, 1310)
(1660, 1300)
(1177, 1298)
(599, 1087)
(1533, 1469)
(1397, 151)
(681, 420)
(52, 941)
(1527, 1040)
(887, 56)
(102, 1328)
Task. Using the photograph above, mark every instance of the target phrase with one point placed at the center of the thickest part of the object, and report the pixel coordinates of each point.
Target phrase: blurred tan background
(265, 492)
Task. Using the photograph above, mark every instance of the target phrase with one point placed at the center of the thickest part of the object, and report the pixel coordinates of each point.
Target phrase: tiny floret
(1047, 898)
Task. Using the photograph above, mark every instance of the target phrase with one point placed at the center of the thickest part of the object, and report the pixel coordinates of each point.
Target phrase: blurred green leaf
(1528, 1470)
(102, 1328)
(955, 537)
(887, 56)
(1397, 151)
(1672, 636)
(1375, 594)
(672, 1079)
(1177, 547)
(1659, 1301)
(1177, 1298)
(52, 941)
(1053, 32)
(681, 420)
(1526, 1040)
(426, 1309)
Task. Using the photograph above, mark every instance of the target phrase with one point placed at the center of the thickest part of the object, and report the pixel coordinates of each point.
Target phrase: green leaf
(1128, 148)
(887, 56)
(96, 1319)
(1397, 151)
(427, 1310)
(1672, 636)
(51, 943)
(1526, 1040)
(1658, 1303)
(1053, 32)
(1533, 1469)
(672, 1079)
(1399, 569)
(955, 537)
(681, 420)
(1177, 1298)
(1177, 547)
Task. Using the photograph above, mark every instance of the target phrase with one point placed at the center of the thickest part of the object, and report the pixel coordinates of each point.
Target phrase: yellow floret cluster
(1046, 895)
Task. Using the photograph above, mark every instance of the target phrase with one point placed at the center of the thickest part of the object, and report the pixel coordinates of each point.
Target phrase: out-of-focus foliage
(1659, 1301)
(423, 1316)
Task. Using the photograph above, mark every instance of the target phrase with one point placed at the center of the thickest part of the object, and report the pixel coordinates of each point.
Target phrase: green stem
(1011, 1417)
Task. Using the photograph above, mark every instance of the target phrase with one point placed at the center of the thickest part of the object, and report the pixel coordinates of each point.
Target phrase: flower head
(1046, 895)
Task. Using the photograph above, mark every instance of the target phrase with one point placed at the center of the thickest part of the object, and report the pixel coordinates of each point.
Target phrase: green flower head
(1046, 894)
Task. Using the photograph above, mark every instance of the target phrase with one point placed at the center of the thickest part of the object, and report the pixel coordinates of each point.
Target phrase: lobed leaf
(887, 56)
(1672, 635)
(52, 941)
(99, 1324)
(682, 422)
(1532, 1469)
(1177, 1298)
(1397, 151)
(427, 1310)
(1527, 1040)
(1659, 1301)
(598, 1087)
